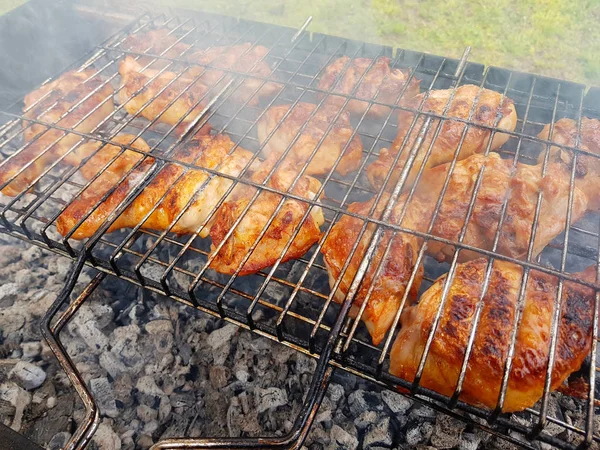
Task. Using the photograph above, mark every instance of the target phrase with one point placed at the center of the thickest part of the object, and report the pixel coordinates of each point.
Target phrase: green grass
(558, 38)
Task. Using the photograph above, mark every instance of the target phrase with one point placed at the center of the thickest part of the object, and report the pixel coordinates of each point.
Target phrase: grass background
(558, 38)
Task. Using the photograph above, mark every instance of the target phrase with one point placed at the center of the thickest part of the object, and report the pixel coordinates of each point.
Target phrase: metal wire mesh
(291, 301)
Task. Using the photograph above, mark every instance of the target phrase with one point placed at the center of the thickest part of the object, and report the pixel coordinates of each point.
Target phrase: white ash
(160, 369)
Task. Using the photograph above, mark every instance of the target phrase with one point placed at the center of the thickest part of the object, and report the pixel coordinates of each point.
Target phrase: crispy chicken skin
(138, 87)
(391, 283)
(501, 181)
(381, 83)
(195, 186)
(279, 233)
(490, 349)
(336, 141)
(245, 58)
(587, 172)
(48, 104)
(492, 109)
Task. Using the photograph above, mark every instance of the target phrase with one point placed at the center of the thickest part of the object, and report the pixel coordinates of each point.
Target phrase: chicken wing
(197, 187)
(390, 286)
(587, 172)
(91, 101)
(247, 59)
(278, 234)
(161, 98)
(493, 336)
(492, 109)
(337, 140)
(381, 84)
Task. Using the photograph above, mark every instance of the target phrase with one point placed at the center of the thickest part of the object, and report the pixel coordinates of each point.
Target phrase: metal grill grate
(291, 302)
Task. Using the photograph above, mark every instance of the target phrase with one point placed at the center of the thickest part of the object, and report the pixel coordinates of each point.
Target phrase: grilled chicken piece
(196, 187)
(138, 87)
(247, 59)
(587, 172)
(278, 234)
(501, 181)
(336, 141)
(492, 109)
(493, 336)
(381, 84)
(101, 156)
(158, 42)
(390, 284)
(91, 100)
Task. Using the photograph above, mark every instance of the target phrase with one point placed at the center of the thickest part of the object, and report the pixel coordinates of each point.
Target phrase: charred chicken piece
(390, 286)
(587, 173)
(492, 109)
(337, 140)
(278, 234)
(139, 87)
(493, 336)
(519, 186)
(381, 84)
(247, 59)
(202, 189)
(91, 100)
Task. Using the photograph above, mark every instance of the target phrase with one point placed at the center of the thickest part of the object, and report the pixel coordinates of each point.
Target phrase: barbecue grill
(291, 302)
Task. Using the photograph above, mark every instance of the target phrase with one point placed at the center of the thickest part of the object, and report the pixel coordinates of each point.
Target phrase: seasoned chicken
(247, 59)
(198, 188)
(101, 155)
(391, 283)
(381, 84)
(278, 234)
(91, 100)
(160, 42)
(501, 181)
(138, 87)
(337, 140)
(493, 336)
(587, 172)
(492, 109)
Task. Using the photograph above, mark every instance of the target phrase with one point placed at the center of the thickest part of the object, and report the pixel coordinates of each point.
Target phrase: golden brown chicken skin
(502, 181)
(390, 285)
(587, 173)
(93, 100)
(381, 84)
(198, 188)
(336, 141)
(247, 59)
(492, 109)
(278, 234)
(492, 339)
(183, 99)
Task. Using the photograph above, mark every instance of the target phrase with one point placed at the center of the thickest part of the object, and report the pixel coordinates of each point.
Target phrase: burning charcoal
(365, 419)
(418, 434)
(106, 439)
(31, 349)
(159, 326)
(104, 395)
(28, 376)
(163, 342)
(95, 339)
(10, 322)
(341, 439)
(446, 432)
(17, 397)
(270, 398)
(398, 403)
(378, 434)
(31, 255)
(335, 392)
(59, 440)
(112, 364)
(360, 401)
(219, 376)
(421, 413)
(469, 441)
(8, 294)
